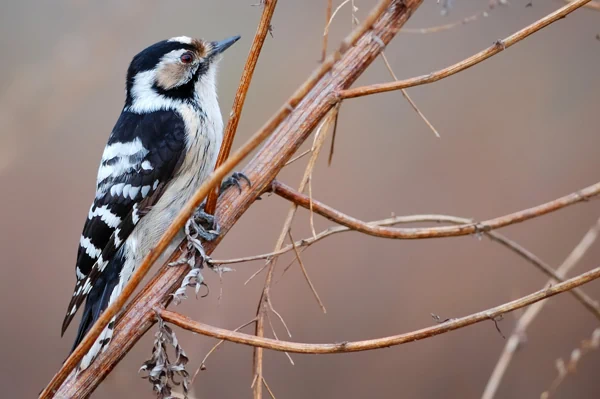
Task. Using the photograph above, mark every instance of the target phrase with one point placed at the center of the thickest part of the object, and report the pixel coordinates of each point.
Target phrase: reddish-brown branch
(593, 5)
(514, 341)
(301, 113)
(485, 227)
(240, 97)
(432, 232)
(328, 10)
(357, 346)
(499, 46)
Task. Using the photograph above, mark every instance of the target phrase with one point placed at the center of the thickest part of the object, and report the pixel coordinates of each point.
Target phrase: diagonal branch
(290, 127)
(514, 341)
(483, 55)
(371, 344)
(592, 5)
(240, 97)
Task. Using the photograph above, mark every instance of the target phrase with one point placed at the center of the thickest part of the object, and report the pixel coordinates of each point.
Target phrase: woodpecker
(163, 146)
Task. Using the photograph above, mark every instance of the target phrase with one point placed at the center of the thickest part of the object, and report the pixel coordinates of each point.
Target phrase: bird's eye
(187, 58)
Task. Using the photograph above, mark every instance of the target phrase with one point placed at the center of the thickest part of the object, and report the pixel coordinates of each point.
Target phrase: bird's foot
(200, 227)
(235, 180)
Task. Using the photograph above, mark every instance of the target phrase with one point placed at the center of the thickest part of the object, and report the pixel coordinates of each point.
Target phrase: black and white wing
(143, 153)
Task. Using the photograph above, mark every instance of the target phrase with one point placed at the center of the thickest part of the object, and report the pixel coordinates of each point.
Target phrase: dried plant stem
(440, 28)
(593, 5)
(240, 97)
(570, 367)
(264, 301)
(214, 348)
(407, 97)
(313, 100)
(306, 242)
(305, 273)
(399, 233)
(531, 313)
(497, 47)
(434, 232)
(371, 344)
(326, 30)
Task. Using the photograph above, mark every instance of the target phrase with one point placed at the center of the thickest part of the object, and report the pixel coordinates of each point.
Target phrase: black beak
(219, 47)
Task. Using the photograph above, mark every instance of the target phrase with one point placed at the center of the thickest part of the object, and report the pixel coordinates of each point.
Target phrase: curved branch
(483, 55)
(433, 232)
(484, 227)
(357, 346)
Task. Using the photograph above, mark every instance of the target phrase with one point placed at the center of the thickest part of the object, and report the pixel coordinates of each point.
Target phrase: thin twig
(482, 227)
(440, 28)
(497, 47)
(240, 97)
(310, 284)
(306, 242)
(326, 30)
(268, 389)
(262, 310)
(371, 344)
(434, 232)
(297, 157)
(407, 97)
(214, 348)
(587, 302)
(531, 313)
(277, 338)
(593, 5)
(564, 369)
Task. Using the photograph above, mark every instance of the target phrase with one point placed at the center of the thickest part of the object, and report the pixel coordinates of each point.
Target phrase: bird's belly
(204, 142)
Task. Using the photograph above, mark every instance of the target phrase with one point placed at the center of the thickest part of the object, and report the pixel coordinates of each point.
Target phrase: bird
(163, 146)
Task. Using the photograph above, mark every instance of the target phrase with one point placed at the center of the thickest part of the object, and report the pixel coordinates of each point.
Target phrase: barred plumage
(162, 147)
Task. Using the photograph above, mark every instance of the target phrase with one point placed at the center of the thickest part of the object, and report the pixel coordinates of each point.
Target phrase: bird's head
(180, 68)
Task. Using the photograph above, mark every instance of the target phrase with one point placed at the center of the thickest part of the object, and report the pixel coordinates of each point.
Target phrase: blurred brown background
(518, 130)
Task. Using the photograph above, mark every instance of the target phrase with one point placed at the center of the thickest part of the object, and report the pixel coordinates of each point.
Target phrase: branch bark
(432, 232)
(485, 227)
(358, 346)
(299, 116)
(240, 97)
(483, 55)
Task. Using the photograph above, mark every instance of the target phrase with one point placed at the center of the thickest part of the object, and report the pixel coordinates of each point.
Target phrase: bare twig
(240, 96)
(531, 313)
(264, 301)
(305, 273)
(564, 369)
(214, 348)
(407, 97)
(399, 233)
(357, 346)
(332, 16)
(434, 232)
(593, 5)
(497, 47)
(306, 242)
(440, 28)
(326, 30)
(297, 157)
